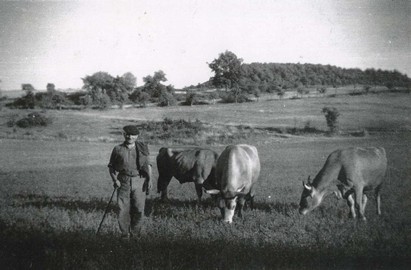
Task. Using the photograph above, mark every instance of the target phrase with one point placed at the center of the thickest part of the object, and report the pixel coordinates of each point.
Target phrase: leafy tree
(129, 81)
(322, 90)
(367, 89)
(97, 86)
(166, 99)
(281, 92)
(191, 98)
(303, 91)
(51, 87)
(227, 70)
(331, 116)
(105, 89)
(140, 97)
(153, 85)
(27, 87)
(390, 86)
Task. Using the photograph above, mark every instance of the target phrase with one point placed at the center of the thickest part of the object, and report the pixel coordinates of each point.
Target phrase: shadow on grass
(154, 206)
(26, 248)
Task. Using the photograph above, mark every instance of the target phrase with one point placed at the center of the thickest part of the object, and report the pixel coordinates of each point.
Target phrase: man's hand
(147, 186)
(116, 184)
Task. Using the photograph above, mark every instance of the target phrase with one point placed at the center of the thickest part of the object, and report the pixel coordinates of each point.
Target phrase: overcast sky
(60, 42)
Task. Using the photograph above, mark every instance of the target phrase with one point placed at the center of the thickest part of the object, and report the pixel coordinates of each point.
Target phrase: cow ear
(309, 179)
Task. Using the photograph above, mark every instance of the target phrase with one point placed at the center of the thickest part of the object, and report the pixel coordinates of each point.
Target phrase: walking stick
(105, 212)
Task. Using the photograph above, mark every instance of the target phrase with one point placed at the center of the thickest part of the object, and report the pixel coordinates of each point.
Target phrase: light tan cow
(237, 170)
(347, 173)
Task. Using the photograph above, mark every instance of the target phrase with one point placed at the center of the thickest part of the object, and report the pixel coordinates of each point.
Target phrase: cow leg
(199, 190)
(241, 202)
(378, 199)
(252, 202)
(162, 185)
(364, 202)
(358, 202)
(351, 203)
(221, 205)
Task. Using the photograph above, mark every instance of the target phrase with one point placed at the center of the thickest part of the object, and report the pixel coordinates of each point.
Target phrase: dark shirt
(124, 160)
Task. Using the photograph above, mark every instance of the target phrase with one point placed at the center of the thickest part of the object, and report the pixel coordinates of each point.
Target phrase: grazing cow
(348, 173)
(186, 165)
(237, 170)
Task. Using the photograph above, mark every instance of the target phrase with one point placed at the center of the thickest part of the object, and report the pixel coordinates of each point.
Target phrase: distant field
(374, 112)
(54, 191)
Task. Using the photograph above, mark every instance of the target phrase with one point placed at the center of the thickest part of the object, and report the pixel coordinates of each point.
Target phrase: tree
(105, 89)
(280, 92)
(322, 90)
(331, 116)
(153, 85)
(29, 100)
(50, 87)
(166, 99)
(129, 81)
(140, 97)
(27, 87)
(367, 89)
(191, 97)
(227, 70)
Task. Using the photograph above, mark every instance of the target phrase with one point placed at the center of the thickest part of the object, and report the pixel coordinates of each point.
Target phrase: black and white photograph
(205, 134)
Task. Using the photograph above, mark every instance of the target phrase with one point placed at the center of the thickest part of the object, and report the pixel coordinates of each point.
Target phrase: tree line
(235, 79)
(255, 78)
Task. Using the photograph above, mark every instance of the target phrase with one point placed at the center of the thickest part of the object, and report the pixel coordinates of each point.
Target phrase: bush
(176, 130)
(166, 99)
(231, 97)
(192, 98)
(32, 120)
(331, 116)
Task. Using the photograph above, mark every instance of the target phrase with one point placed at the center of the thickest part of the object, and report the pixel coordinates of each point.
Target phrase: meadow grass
(55, 187)
(50, 210)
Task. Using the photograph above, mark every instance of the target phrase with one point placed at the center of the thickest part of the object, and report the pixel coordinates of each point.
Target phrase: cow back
(238, 168)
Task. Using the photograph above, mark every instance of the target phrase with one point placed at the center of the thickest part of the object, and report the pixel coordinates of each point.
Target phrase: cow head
(227, 202)
(310, 198)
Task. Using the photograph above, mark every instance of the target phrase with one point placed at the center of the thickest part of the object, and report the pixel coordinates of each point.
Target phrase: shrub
(331, 116)
(192, 98)
(232, 97)
(32, 120)
(322, 90)
(166, 99)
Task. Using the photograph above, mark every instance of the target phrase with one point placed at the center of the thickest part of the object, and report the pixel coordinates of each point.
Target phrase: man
(130, 170)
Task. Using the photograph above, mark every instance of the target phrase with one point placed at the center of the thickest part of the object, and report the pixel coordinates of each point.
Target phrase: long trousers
(131, 200)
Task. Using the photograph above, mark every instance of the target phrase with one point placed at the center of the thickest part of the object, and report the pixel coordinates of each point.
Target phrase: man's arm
(113, 174)
(147, 182)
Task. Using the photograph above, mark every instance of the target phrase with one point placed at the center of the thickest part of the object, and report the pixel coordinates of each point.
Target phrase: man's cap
(131, 129)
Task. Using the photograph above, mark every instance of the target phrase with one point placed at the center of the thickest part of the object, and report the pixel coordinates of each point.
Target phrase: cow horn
(212, 191)
(307, 186)
(169, 152)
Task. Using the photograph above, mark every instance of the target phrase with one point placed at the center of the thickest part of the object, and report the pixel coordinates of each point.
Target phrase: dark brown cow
(348, 173)
(238, 168)
(186, 165)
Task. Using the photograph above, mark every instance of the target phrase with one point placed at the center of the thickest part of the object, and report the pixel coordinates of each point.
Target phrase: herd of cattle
(232, 175)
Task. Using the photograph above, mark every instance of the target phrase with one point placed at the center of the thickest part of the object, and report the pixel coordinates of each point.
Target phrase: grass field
(54, 191)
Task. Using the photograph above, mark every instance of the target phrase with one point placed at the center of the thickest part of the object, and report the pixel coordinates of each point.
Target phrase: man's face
(130, 138)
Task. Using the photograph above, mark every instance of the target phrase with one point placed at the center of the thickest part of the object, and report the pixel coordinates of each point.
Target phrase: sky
(61, 42)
